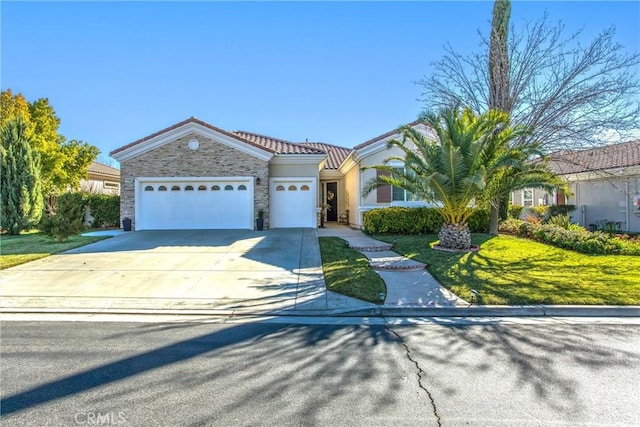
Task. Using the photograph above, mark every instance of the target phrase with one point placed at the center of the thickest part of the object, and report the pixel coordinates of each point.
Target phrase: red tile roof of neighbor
(608, 157)
(102, 169)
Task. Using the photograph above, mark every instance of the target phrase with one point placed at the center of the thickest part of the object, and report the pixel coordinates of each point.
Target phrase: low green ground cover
(347, 271)
(22, 248)
(513, 270)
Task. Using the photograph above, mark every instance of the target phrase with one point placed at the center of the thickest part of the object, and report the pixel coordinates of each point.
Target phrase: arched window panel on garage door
(293, 188)
(228, 188)
(215, 188)
(304, 188)
(175, 188)
(202, 188)
(280, 188)
(188, 188)
(242, 187)
(162, 188)
(148, 188)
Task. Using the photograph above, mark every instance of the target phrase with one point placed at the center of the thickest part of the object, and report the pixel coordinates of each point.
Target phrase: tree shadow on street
(307, 369)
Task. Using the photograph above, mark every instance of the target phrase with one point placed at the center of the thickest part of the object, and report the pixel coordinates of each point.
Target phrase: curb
(504, 311)
(471, 311)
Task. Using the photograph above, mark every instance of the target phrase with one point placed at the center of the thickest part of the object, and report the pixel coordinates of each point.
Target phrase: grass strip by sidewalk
(347, 271)
(22, 248)
(511, 270)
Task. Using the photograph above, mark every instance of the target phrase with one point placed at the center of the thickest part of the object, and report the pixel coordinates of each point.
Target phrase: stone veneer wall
(176, 159)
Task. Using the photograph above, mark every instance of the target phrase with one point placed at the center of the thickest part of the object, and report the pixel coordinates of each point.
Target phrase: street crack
(421, 374)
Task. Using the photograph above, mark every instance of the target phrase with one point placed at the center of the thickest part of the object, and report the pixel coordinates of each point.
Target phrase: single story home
(101, 178)
(604, 182)
(194, 175)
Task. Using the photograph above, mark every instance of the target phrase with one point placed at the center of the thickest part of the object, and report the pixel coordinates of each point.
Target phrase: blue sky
(337, 72)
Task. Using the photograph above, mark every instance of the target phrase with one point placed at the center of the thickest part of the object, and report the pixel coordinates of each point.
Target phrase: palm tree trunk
(455, 236)
(494, 220)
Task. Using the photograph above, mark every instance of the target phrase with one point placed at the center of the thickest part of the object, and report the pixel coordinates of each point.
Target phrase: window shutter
(383, 193)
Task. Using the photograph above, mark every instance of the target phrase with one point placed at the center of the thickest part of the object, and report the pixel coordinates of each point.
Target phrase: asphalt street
(352, 372)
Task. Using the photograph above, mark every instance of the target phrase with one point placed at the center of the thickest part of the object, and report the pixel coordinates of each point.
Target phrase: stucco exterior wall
(609, 200)
(293, 170)
(352, 196)
(176, 159)
(367, 175)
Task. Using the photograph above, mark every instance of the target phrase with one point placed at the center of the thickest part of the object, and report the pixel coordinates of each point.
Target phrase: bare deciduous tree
(569, 94)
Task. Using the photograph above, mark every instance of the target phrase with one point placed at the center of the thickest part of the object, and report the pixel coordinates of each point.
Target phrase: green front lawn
(511, 270)
(347, 271)
(16, 250)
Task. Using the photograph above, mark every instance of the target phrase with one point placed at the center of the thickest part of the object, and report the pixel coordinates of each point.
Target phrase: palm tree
(457, 170)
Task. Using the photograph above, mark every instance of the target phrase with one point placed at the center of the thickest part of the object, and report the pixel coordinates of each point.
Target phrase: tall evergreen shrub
(21, 201)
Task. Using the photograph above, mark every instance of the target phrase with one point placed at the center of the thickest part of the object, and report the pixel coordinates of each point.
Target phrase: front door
(331, 199)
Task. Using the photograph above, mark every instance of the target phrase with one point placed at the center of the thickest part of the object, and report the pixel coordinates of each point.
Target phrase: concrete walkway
(409, 284)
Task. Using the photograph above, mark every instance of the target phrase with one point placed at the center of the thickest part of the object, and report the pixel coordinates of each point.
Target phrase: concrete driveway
(226, 270)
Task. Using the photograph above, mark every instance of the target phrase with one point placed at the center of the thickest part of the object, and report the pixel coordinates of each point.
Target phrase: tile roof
(608, 157)
(182, 123)
(335, 154)
(102, 169)
(385, 135)
(276, 145)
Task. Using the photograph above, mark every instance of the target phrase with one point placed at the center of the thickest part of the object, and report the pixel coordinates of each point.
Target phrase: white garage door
(222, 203)
(293, 203)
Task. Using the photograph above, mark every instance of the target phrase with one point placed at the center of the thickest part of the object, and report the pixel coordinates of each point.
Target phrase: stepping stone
(372, 248)
(391, 261)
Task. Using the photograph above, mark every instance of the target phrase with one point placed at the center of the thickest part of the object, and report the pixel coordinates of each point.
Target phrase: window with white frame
(400, 194)
(527, 197)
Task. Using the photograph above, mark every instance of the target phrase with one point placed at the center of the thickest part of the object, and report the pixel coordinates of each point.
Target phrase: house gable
(195, 128)
(379, 143)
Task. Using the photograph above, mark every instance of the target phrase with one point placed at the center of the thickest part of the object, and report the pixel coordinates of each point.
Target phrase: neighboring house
(604, 182)
(101, 179)
(193, 175)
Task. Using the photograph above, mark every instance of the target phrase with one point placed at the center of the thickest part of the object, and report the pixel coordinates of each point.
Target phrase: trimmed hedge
(577, 239)
(105, 209)
(401, 220)
(587, 242)
(479, 221)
